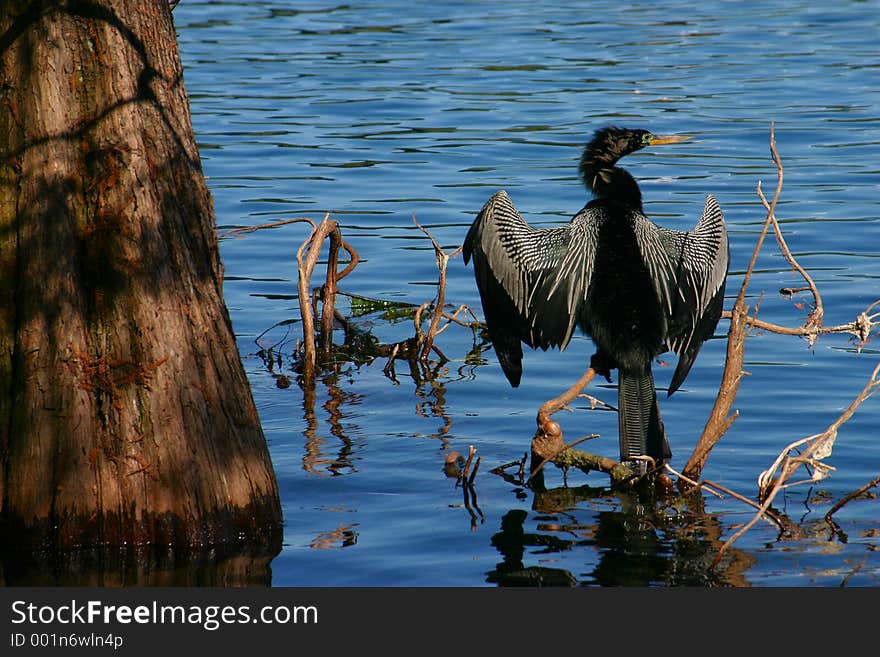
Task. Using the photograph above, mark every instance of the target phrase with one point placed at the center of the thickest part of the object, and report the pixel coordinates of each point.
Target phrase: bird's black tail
(641, 427)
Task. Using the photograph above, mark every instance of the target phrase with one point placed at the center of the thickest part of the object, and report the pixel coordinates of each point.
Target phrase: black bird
(635, 288)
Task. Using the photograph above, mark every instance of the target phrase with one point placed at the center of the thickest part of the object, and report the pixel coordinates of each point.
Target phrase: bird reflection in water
(623, 540)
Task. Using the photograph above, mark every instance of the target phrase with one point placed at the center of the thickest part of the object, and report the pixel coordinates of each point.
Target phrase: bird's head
(598, 163)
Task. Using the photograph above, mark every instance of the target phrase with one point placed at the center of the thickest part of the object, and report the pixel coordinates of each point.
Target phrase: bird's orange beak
(668, 139)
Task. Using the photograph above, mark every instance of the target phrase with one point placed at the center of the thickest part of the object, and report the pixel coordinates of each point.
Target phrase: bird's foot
(648, 478)
(641, 465)
(637, 466)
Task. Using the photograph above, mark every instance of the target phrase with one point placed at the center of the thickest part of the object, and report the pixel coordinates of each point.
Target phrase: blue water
(378, 112)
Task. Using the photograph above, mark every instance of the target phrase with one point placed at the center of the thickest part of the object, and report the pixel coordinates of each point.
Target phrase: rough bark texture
(125, 412)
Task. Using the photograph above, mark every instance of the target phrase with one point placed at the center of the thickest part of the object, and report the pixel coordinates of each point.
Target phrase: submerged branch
(835, 530)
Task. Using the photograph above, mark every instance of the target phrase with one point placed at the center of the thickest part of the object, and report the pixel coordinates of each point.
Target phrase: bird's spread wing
(690, 282)
(659, 256)
(531, 281)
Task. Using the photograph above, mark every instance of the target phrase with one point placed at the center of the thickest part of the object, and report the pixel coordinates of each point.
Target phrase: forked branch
(427, 341)
(307, 257)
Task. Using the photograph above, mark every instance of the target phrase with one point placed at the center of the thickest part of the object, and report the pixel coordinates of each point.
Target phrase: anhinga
(635, 288)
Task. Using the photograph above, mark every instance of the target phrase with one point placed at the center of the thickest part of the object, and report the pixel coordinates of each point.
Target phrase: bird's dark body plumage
(635, 288)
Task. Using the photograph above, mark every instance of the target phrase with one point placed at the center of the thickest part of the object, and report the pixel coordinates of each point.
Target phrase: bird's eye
(646, 138)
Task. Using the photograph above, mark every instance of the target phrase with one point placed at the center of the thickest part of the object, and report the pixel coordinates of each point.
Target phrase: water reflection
(314, 459)
(638, 542)
(351, 346)
(342, 536)
(230, 566)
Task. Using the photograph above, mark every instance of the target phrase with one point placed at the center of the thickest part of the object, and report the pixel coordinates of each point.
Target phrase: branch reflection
(352, 345)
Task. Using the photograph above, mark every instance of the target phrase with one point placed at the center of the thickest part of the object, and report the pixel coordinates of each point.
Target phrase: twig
(595, 402)
(860, 328)
(328, 293)
(815, 317)
(521, 468)
(274, 224)
(467, 466)
(744, 528)
(442, 261)
(454, 318)
(306, 265)
(819, 446)
(840, 503)
(473, 476)
(695, 484)
(772, 515)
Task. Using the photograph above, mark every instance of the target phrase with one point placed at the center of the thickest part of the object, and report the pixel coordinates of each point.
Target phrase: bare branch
(860, 328)
(275, 224)
(815, 317)
(817, 448)
(306, 264)
(558, 403)
(442, 261)
(307, 257)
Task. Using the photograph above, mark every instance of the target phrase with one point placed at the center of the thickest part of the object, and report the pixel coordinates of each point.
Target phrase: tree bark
(125, 413)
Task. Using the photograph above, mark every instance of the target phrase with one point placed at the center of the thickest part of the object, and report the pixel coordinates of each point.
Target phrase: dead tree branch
(551, 406)
(860, 328)
(307, 257)
(808, 452)
(815, 449)
(442, 262)
(275, 224)
(814, 320)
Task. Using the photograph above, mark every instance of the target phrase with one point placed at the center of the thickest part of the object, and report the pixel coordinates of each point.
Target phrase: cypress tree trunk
(125, 412)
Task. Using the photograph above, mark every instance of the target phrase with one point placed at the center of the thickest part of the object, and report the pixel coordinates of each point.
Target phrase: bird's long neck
(610, 182)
